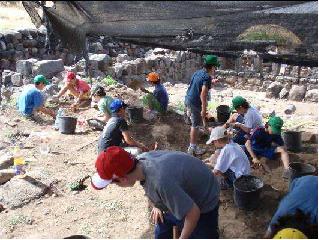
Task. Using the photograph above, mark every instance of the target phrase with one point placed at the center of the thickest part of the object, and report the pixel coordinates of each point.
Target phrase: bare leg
(284, 156)
(193, 135)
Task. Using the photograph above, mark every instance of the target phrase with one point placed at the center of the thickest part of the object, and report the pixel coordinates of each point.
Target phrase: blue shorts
(227, 181)
(269, 153)
(240, 137)
(207, 226)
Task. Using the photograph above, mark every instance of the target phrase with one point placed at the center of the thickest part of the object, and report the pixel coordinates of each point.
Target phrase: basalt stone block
(48, 67)
(312, 95)
(3, 46)
(274, 89)
(29, 43)
(297, 93)
(24, 67)
(16, 79)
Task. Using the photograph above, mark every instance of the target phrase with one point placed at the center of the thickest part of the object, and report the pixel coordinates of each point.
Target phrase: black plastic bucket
(67, 125)
(223, 113)
(247, 191)
(298, 169)
(135, 114)
(292, 141)
(77, 237)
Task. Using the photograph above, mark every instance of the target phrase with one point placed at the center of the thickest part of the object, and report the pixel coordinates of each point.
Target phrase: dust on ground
(13, 16)
(118, 212)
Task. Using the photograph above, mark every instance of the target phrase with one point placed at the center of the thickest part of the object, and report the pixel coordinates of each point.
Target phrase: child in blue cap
(116, 132)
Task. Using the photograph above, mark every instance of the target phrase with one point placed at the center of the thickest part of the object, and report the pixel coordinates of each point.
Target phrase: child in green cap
(32, 100)
(267, 142)
(244, 120)
(196, 100)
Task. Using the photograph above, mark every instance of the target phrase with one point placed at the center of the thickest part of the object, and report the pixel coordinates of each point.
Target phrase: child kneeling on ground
(267, 142)
(232, 161)
(158, 100)
(104, 102)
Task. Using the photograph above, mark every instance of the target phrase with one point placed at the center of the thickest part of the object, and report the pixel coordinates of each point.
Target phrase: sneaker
(195, 151)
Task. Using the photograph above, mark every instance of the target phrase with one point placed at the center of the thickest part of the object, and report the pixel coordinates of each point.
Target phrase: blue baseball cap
(116, 104)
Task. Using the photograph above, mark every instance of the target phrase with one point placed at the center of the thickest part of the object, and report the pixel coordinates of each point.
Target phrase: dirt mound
(125, 93)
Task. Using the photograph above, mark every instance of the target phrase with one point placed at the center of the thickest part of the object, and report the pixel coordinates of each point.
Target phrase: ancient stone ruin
(24, 54)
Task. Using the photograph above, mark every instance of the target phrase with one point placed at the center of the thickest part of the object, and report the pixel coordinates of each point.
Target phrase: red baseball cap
(70, 76)
(112, 163)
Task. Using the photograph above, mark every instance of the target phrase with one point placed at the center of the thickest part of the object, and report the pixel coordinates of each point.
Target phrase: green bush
(108, 81)
(253, 36)
(212, 105)
(181, 106)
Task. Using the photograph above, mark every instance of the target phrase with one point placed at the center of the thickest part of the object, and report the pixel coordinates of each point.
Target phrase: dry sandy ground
(14, 17)
(117, 212)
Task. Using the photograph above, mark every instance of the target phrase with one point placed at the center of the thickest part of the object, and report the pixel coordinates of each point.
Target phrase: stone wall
(26, 44)
(31, 43)
(23, 55)
(285, 85)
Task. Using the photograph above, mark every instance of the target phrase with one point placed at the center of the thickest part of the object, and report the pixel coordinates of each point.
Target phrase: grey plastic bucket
(292, 141)
(67, 125)
(298, 169)
(135, 114)
(223, 113)
(247, 191)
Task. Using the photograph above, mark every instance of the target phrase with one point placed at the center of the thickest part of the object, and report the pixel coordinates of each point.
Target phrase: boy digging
(267, 141)
(104, 102)
(232, 161)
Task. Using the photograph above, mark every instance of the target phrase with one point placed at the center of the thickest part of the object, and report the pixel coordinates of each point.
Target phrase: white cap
(99, 183)
(217, 133)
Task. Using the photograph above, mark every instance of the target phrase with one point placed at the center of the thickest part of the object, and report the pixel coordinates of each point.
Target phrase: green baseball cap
(41, 79)
(237, 102)
(212, 60)
(275, 123)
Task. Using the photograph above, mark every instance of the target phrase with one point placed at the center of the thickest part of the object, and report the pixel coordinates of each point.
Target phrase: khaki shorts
(194, 114)
(86, 95)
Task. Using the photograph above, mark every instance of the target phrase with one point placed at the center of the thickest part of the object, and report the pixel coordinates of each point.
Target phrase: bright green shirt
(104, 105)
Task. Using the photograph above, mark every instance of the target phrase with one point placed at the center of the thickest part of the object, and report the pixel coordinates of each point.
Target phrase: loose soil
(118, 212)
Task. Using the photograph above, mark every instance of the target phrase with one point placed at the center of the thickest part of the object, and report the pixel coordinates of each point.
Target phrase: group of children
(231, 159)
(251, 140)
(111, 111)
(173, 180)
(32, 99)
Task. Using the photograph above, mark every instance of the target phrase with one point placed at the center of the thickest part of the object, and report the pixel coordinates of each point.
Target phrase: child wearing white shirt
(232, 161)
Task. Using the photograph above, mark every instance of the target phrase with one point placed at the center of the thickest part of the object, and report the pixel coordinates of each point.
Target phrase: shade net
(198, 26)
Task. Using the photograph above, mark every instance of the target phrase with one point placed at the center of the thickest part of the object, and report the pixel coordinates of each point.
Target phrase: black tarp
(199, 26)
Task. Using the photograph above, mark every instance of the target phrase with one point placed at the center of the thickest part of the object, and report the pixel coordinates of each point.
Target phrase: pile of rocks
(31, 43)
(173, 66)
(27, 69)
(105, 45)
(26, 44)
(280, 86)
(23, 55)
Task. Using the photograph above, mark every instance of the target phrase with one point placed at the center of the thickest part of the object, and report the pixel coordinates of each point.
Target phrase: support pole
(87, 65)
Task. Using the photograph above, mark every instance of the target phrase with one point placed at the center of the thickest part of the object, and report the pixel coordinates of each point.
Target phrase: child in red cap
(76, 87)
(181, 187)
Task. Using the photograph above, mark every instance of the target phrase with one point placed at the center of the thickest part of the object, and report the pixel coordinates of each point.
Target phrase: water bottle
(44, 145)
(18, 162)
(60, 113)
